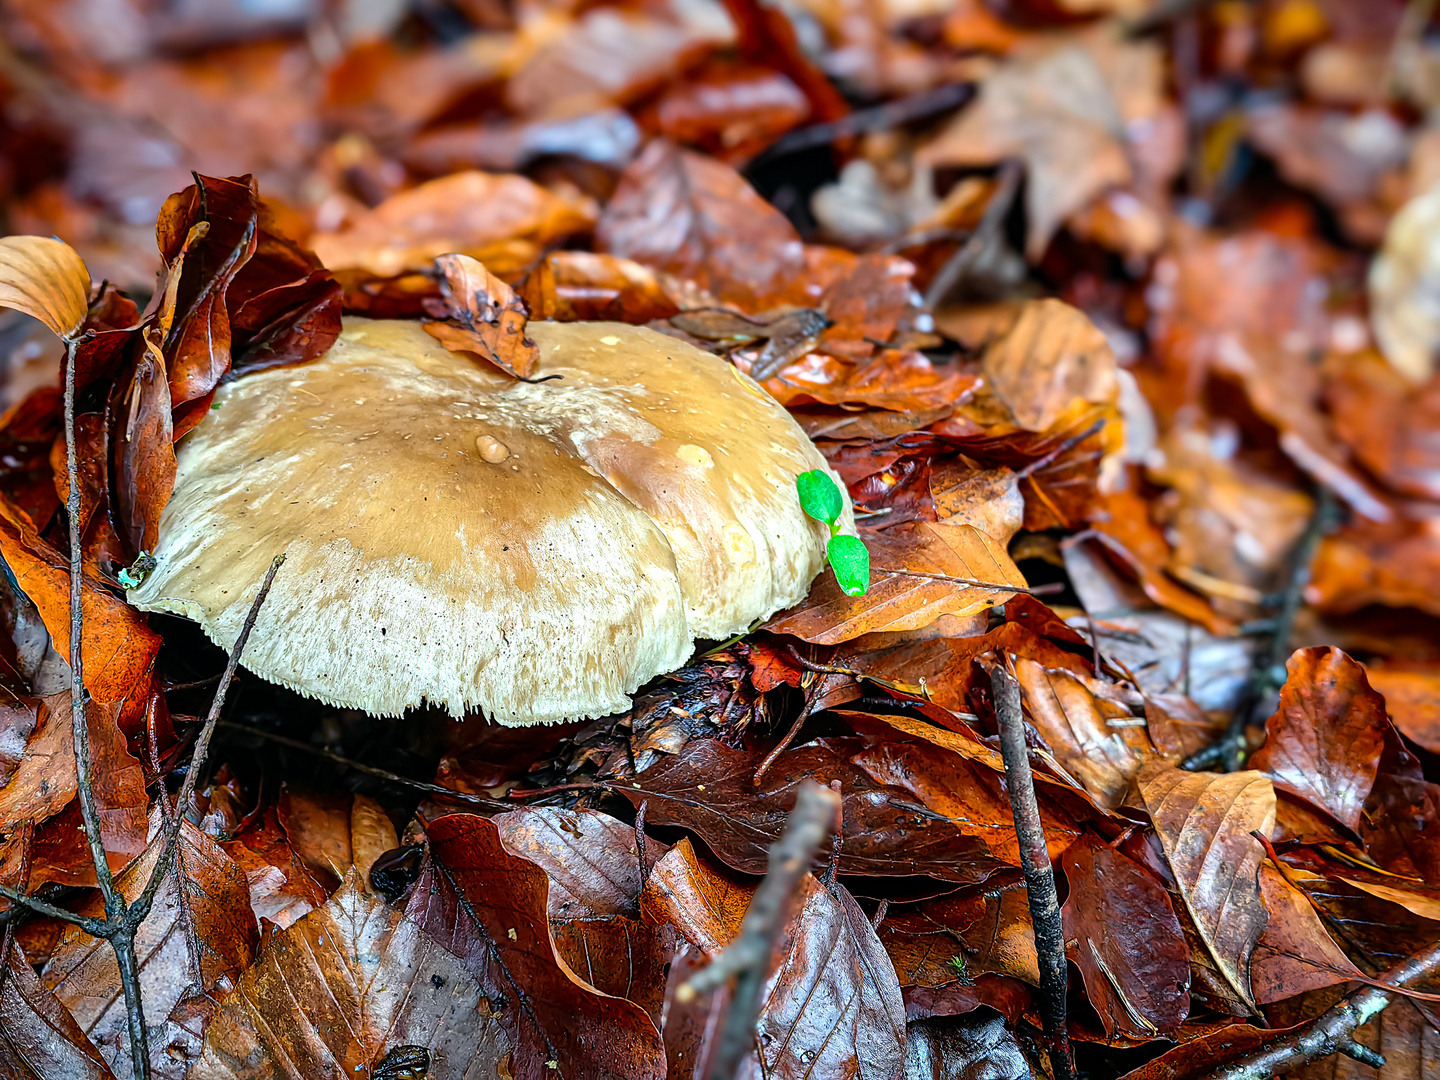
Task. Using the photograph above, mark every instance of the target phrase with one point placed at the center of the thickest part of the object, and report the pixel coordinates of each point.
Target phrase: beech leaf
(44, 278)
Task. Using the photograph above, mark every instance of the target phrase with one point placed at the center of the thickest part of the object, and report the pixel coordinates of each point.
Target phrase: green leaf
(851, 562)
(819, 496)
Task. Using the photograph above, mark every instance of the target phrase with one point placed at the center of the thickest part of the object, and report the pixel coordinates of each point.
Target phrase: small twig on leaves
(1039, 590)
(891, 114)
(985, 234)
(122, 920)
(1227, 752)
(1334, 1031)
(1035, 861)
(748, 957)
(371, 770)
(640, 842)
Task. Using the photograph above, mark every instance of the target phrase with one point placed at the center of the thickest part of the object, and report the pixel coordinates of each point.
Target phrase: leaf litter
(1094, 307)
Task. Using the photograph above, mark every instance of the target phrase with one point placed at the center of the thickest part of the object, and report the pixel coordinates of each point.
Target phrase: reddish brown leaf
(1122, 934)
(572, 286)
(832, 1005)
(318, 830)
(1051, 357)
(39, 1039)
(339, 989)
(907, 601)
(1295, 953)
(490, 908)
(590, 858)
(730, 111)
(954, 938)
(1397, 826)
(282, 888)
(709, 789)
(486, 317)
(83, 972)
(696, 218)
(1323, 744)
(1204, 822)
(474, 213)
(1412, 698)
(196, 346)
(144, 447)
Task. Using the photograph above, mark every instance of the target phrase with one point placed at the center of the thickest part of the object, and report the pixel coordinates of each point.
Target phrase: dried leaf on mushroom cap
(535, 551)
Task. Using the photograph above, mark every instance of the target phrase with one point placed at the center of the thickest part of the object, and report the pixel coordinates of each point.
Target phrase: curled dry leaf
(832, 1005)
(1204, 823)
(83, 972)
(1122, 933)
(486, 317)
(45, 278)
(1324, 742)
(39, 1039)
(936, 554)
(334, 993)
(490, 908)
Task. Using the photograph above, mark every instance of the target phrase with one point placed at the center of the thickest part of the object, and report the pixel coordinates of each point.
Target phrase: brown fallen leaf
(832, 1005)
(282, 887)
(336, 991)
(1204, 822)
(947, 940)
(372, 833)
(1412, 699)
(1324, 742)
(486, 319)
(694, 217)
(318, 830)
(39, 1039)
(1089, 726)
(85, 978)
(943, 560)
(467, 212)
(1121, 932)
(45, 278)
(570, 286)
(490, 908)
(1295, 953)
(988, 499)
(1052, 356)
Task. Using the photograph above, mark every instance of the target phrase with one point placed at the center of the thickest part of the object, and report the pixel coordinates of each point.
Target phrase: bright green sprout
(958, 963)
(821, 498)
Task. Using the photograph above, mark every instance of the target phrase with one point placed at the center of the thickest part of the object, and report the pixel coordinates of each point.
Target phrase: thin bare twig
(985, 234)
(748, 957)
(1035, 862)
(370, 770)
(1333, 1032)
(1039, 590)
(202, 747)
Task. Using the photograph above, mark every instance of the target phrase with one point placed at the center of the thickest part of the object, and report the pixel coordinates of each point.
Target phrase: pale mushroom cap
(534, 551)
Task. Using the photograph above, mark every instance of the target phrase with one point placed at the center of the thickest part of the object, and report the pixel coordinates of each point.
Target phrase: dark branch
(1035, 861)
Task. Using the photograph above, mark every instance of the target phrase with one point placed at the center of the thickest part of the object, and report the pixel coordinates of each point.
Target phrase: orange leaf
(487, 318)
(45, 278)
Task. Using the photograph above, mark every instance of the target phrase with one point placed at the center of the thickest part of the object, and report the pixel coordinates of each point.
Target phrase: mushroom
(534, 551)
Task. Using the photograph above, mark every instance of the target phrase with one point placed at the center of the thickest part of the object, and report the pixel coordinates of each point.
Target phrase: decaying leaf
(490, 908)
(486, 317)
(83, 972)
(832, 1002)
(1204, 822)
(339, 989)
(1121, 932)
(39, 1039)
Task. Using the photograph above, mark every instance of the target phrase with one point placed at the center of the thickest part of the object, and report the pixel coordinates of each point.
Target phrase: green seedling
(821, 498)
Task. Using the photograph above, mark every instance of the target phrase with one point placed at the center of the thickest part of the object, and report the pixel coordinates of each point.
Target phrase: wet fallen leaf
(341, 987)
(490, 908)
(832, 1004)
(467, 213)
(951, 939)
(39, 1039)
(570, 286)
(1412, 699)
(83, 972)
(1127, 942)
(1295, 952)
(1204, 822)
(282, 888)
(1050, 357)
(1324, 742)
(963, 1048)
(913, 572)
(691, 216)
